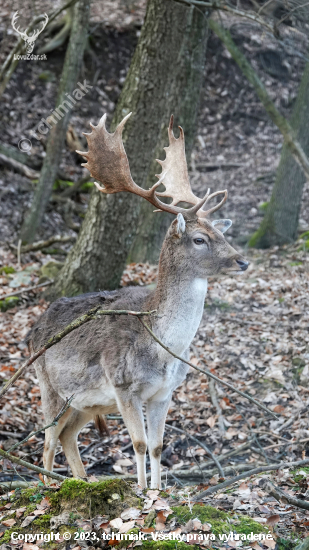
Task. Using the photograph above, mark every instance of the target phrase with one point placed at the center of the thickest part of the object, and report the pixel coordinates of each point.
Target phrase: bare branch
(37, 469)
(63, 409)
(255, 471)
(279, 494)
(23, 290)
(200, 444)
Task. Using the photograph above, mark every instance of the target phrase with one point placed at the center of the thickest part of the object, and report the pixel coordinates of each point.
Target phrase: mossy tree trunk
(71, 69)
(280, 223)
(157, 76)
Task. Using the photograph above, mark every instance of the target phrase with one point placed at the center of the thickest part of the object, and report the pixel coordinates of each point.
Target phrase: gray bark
(71, 68)
(156, 77)
(183, 86)
(280, 223)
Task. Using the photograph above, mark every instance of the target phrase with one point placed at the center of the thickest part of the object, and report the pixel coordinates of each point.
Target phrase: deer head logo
(30, 40)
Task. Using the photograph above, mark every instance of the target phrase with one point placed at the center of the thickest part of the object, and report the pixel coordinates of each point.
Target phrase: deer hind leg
(156, 416)
(132, 414)
(68, 439)
(51, 439)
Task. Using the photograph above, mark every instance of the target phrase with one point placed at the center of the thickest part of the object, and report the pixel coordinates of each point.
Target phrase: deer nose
(243, 264)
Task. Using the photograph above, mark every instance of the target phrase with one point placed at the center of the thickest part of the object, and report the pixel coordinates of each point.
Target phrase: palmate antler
(107, 161)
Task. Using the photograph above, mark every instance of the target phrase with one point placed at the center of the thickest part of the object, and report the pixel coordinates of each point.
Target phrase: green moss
(254, 239)
(7, 269)
(94, 498)
(247, 525)
(33, 494)
(206, 514)
(86, 187)
(264, 206)
(8, 303)
(304, 235)
(221, 522)
(43, 522)
(284, 544)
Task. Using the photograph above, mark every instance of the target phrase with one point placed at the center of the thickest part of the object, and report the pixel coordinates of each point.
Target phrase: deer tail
(100, 424)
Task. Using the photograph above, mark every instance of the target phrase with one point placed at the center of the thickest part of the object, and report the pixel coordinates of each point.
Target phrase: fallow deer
(112, 364)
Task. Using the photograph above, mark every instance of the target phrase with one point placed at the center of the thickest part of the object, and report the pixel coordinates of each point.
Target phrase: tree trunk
(183, 89)
(151, 90)
(71, 69)
(280, 223)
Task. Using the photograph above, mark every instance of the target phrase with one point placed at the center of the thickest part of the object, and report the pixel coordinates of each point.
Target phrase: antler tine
(204, 213)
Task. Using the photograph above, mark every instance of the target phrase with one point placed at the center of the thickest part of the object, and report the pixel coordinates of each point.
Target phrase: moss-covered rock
(50, 270)
(108, 497)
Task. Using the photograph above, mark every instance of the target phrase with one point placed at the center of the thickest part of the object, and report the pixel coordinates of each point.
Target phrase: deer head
(199, 240)
(30, 40)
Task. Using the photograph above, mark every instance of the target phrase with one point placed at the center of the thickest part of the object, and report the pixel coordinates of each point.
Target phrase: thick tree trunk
(280, 223)
(182, 99)
(150, 91)
(71, 69)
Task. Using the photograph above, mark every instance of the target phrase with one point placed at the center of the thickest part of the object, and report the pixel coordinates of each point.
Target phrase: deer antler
(107, 161)
(14, 19)
(36, 33)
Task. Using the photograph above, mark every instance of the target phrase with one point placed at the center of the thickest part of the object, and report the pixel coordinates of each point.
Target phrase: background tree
(280, 224)
(68, 81)
(172, 39)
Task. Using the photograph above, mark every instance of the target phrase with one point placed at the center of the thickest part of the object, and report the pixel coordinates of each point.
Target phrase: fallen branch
(18, 292)
(45, 244)
(279, 494)
(255, 471)
(207, 372)
(37, 469)
(200, 444)
(19, 167)
(88, 316)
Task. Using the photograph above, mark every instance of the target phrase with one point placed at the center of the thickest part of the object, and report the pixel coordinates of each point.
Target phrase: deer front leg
(156, 416)
(132, 414)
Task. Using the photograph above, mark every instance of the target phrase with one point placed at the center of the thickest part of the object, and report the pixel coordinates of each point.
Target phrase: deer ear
(179, 226)
(222, 225)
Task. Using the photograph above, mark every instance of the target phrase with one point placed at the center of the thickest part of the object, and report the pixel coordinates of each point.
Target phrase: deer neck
(179, 300)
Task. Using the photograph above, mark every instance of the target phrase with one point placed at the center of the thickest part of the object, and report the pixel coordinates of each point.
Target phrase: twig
(63, 409)
(207, 372)
(208, 451)
(18, 292)
(279, 494)
(88, 316)
(214, 400)
(45, 244)
(260, 470)
(291, 420)
(31, 466)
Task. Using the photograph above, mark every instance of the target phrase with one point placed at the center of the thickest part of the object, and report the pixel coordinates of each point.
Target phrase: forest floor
(254, 332)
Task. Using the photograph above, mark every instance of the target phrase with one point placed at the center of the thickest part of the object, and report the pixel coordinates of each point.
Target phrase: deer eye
(199, 240)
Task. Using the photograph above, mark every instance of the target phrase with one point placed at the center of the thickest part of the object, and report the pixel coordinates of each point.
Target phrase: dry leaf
(273, 520)
(131, 513)
(9, 522)
(116, 523)
(211, 421)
